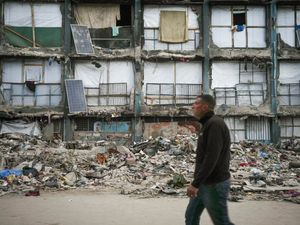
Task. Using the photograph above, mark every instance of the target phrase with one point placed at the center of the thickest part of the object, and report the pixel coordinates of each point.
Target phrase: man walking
(211, 184)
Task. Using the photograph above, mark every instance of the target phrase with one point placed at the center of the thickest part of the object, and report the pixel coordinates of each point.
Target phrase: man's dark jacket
(213, 151)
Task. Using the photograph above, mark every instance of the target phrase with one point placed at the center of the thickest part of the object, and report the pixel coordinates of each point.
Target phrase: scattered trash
(33, 193)
(8, 172)
(151, 167)
(28, 171)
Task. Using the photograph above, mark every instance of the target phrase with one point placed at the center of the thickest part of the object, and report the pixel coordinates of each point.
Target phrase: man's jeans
(214, 199)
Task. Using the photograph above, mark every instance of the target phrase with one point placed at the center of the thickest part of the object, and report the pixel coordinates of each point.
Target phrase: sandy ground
(103, 208)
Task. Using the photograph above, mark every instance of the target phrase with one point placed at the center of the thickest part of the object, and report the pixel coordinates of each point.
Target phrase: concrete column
(67, 131)
(206, 61)
(275, 129)
(137, 132)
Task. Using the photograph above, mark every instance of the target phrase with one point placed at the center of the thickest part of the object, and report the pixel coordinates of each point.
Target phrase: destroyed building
(127, 70)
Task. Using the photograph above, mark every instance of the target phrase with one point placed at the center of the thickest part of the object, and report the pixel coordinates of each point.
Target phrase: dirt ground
(108, 208)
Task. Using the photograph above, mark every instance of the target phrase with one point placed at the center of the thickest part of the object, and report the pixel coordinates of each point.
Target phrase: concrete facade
(137, 83)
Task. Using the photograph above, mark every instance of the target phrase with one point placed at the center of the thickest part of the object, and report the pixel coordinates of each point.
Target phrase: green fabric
(44, 36)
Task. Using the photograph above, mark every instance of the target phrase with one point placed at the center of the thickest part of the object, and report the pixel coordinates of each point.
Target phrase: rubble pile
(261, 171)
(148, 168)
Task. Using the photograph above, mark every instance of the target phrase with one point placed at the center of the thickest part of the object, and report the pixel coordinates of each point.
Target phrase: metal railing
(107, 94)
(152, 41)
(241, 94)
(171, 94)
(39, 94)
(289, 94)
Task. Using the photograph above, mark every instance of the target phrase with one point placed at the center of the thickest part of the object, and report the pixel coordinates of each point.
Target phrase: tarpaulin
(173, 27)
(97, 15)
(19, 126)
(152, 15)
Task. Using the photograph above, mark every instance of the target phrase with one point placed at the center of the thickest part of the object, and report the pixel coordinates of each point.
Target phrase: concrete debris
(148, 168)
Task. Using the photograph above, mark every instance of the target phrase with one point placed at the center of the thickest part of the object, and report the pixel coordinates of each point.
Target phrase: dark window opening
(125, 12)
(239, 18)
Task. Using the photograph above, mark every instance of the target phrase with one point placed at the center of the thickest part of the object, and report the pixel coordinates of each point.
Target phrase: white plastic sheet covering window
(172, 73)
(289, 72)
(151, 25)
(223, 37)
(48, 87)
(286, 24)
(289, 127)
(19, 15)
(225, 74)
(19, 126)
(109, 72)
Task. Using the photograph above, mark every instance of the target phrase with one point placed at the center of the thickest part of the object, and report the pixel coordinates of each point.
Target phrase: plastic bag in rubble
(29, 170)
(178, 181)
(8, 172)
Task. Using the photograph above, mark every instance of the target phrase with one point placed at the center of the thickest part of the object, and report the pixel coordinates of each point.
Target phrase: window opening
(239, 17)
(125, 12)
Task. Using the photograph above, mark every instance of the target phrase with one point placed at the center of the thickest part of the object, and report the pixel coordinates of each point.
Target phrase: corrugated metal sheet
(258, 129)
(253, 128)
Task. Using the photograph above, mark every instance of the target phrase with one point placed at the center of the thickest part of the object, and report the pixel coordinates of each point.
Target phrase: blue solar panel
(75, 96)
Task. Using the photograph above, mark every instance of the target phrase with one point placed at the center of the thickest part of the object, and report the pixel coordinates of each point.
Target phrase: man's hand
(191, 191)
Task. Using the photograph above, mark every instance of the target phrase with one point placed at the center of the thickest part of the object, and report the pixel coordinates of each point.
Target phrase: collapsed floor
(149, 168)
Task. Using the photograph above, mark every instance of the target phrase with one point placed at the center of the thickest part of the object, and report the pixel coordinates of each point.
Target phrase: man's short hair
(209, 100)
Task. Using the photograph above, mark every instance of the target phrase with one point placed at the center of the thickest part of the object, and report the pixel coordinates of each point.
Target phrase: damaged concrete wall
(169, 129)
(238, 69)
(93, 129)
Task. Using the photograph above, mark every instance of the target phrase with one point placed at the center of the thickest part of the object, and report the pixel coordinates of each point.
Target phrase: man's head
(202, 105)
